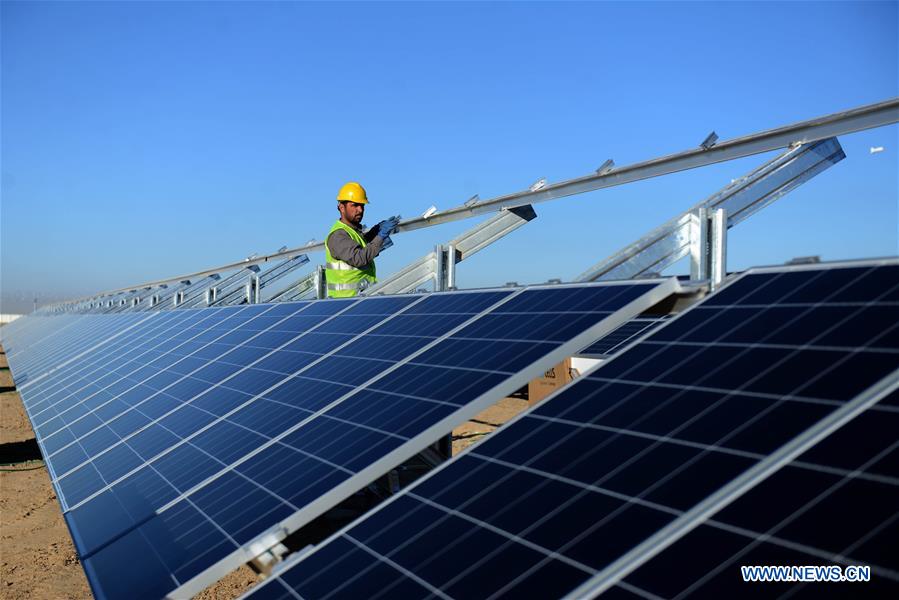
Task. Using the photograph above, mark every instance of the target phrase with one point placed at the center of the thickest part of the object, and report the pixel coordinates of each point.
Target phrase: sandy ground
(37, 558)
(484, 423)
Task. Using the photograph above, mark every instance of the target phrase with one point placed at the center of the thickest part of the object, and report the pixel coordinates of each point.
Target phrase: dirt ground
(37, 558)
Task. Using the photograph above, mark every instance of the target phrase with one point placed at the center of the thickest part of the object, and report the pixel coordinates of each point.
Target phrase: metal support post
(253, 290)
(446, 258)
(440, 260)
(699, 244)
(211, 294)
(708, 246)
(450, 265)
(717, 247)
(320, 282)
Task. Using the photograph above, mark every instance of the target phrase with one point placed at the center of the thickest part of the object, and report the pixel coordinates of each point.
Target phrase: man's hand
(387, 226)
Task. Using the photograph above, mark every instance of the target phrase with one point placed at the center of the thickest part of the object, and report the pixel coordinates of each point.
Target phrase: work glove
(387, 243)
(388, 226)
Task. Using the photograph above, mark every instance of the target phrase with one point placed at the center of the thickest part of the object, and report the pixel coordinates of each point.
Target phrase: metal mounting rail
(857, 119)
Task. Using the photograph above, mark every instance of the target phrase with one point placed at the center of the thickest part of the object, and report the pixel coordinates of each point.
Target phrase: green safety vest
(345, 280)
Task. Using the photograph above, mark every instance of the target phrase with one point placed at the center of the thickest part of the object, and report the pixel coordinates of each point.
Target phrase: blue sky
(142, 140)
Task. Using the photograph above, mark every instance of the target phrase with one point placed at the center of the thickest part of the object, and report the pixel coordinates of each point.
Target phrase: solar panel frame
(608, 576)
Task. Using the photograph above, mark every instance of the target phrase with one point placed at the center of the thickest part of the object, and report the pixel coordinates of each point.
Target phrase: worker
(350, 253)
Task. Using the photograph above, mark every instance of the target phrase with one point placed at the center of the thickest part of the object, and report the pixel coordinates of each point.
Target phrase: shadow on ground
(15, 452)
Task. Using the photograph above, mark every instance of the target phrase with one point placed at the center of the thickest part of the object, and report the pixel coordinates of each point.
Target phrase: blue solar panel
(56, 340)
(193, 435)
(577, 493)
(837, 504)
(616, 340)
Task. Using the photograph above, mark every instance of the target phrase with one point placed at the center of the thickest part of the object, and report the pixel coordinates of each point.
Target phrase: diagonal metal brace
(741, 199)
(439, 266)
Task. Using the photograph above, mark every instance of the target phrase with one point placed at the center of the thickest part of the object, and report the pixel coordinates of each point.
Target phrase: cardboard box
(557, 377)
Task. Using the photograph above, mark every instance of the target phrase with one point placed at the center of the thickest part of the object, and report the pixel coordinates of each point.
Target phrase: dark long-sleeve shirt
(342, 247)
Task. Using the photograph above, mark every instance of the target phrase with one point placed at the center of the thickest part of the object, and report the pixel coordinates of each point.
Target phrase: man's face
(351, 212)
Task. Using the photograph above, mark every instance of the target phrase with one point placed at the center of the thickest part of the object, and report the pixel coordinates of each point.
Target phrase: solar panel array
(36, 345)
(758, 427)
(196, 439)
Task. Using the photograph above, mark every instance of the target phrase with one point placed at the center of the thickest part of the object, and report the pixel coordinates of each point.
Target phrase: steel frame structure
(849, 121)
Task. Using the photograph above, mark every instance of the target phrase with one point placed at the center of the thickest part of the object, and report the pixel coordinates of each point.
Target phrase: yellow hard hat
(352, 192)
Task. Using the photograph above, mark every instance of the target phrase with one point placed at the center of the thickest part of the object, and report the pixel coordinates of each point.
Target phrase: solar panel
(837, 504)
(622, 336)
(56, 340)
(201, 437)
(572, 496)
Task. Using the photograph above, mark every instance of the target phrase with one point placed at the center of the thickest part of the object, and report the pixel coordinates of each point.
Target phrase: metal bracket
(265, 562)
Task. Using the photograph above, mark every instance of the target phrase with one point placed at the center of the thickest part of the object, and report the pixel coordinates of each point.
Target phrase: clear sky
(142, 140)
